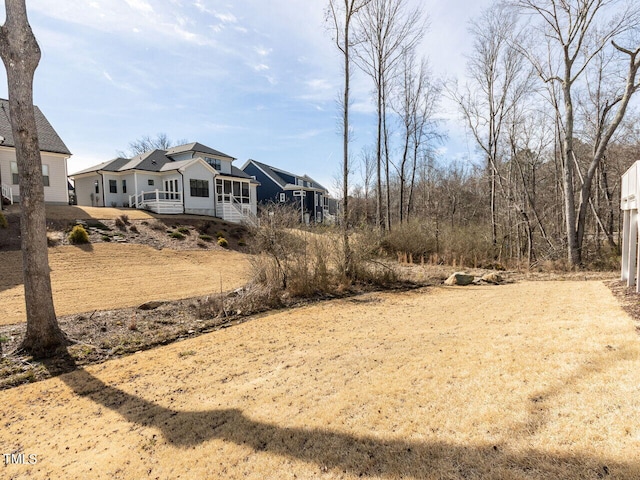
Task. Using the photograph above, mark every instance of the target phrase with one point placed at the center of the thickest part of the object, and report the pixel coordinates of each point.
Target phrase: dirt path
(105, 276)
(529, 380)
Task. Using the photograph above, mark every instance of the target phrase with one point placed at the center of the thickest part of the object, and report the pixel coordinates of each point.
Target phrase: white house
(630, 205)
(53, 152)
(190, 178)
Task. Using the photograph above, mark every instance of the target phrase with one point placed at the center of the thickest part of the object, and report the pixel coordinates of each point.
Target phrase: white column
(624, 274)
(636, 270)
(633, 247)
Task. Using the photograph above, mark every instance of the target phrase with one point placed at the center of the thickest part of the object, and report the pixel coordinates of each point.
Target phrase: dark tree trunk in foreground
(20, 53)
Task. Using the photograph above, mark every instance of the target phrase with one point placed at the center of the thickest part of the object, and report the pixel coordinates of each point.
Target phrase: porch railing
(158, 201)
(7, 192)
(233, 210)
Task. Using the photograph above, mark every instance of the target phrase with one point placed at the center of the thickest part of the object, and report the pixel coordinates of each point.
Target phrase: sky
(251, 78)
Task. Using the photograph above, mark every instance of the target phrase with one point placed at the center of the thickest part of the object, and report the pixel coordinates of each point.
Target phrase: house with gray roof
(53, 153)
(190, 178)
(278, 186)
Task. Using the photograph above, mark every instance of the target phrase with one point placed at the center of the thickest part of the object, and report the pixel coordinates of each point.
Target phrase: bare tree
(21, 54)
(146, 143)
(499, 79)
(415, 105)
(574, 33)
(341, 18)
(385, 29)
(367, 169)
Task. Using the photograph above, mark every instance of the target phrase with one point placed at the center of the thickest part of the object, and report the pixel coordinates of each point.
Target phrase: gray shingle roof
(273, 173)
(159, 161)
(47, 137)
(196, 147)
(269, 171)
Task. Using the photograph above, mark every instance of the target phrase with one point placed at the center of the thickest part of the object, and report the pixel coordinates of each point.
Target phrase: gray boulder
(492, 277)
(459, 278)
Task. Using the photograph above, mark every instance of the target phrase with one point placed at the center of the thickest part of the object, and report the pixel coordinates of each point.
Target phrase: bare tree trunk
(21, 54)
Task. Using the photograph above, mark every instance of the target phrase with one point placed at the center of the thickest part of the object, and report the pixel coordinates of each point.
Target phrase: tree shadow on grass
(339, 451)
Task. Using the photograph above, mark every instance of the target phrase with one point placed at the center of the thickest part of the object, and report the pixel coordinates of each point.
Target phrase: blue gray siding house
(278, 186)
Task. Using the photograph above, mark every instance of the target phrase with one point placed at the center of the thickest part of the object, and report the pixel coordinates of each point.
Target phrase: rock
(459, 278)
(492, 277)
(236, 292)
(152, 305)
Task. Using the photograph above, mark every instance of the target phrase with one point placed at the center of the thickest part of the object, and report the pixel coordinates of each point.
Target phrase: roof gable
(196, 147)
(275, 175)
(48, 139)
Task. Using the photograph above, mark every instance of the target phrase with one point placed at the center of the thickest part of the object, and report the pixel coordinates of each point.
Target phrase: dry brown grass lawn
(105, 276)
(67, 212)
(527, 380)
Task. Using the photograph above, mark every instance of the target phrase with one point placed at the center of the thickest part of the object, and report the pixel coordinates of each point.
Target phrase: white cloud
(140, 5)
(226, 17)
(306, 135)
(263, 52)
(167, 22)
(261, 67)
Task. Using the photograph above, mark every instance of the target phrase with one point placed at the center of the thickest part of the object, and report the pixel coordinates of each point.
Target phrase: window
(199, 188)
(232, 191)
(15, 178)
(151, 182)
(113, 187)
(14, 173)
(214, 162)
(45, 175)
(124, 186)
(283, 197)
(97, 185)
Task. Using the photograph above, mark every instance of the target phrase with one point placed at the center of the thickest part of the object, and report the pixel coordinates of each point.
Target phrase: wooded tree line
(547, 102)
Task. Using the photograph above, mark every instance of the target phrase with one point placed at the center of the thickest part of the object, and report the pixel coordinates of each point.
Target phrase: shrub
(3, 221)
(205, 237)
(78, 235)
(219, 234)
(106, 238)
(177, 235)
(157, 225)
(133, 229)
(410, 242)
(124, 218)
(53, 239)
(120, 223)
(223, 242)
(242, 243)
(184, 230)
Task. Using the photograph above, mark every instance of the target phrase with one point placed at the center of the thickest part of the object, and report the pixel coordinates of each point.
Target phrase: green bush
(184, 230)
(3, 221)
(78, 235)
(223, 242)
(220, 234)
(106, 238)
(206, 238)
(177, 235)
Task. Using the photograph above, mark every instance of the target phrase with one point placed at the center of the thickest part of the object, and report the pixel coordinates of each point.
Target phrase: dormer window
(214, 162)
